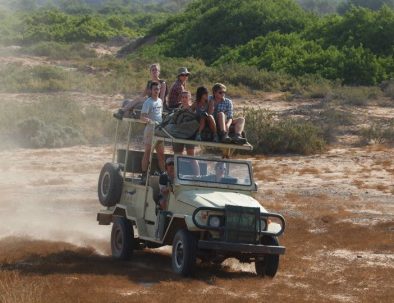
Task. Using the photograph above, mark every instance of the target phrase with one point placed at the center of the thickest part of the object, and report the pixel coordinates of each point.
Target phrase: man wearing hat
(174, 97)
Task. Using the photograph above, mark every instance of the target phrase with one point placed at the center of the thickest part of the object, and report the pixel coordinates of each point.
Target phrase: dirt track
(340, 236)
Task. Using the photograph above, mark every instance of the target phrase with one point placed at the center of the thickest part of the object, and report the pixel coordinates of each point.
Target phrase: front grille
(242, 224)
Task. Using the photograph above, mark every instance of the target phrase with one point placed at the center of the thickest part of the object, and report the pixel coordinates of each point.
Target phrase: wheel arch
(176, 223)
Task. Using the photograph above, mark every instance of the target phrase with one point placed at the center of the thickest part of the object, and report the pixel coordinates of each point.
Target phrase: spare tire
(110, 185)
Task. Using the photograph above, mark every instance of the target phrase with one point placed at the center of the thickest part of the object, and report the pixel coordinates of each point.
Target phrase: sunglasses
(185, 75)
(170, 164)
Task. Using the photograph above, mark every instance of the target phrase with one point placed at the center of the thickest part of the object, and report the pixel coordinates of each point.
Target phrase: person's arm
(145, 111)
(163, 89)
(179, 90)
(211, 106)
(193, 107)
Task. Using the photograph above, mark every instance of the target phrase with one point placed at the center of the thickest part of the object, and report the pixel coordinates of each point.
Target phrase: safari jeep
(210, 217)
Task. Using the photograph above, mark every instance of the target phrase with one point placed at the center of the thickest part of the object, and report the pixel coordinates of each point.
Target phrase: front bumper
(221, 246)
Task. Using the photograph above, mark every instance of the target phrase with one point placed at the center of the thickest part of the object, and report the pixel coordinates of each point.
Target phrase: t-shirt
(153, 109)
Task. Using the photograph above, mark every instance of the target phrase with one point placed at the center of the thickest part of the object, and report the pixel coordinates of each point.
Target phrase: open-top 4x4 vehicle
(210, 216)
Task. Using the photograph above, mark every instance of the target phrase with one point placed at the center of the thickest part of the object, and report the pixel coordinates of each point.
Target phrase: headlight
(214, 221)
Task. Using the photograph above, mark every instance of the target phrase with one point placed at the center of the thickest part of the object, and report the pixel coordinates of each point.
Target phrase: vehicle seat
(154, 183)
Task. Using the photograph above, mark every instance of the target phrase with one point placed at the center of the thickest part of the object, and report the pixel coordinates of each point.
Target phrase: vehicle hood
(216, 198)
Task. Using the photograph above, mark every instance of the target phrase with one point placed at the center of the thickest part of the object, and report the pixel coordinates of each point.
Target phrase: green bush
(59, 51)
(206, 29)
(54, 25)
(269, 135)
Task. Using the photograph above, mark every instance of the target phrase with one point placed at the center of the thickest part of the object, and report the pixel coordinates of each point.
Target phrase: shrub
(358, 96)
(318, 90)
(34, 133)
(59, 51)
(331, 120)
(54, 122)
(389, 90)
(41, 78)
(269, 135)
(378, 133)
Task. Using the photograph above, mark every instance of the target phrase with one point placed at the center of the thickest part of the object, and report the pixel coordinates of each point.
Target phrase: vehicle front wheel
(184, 249)
(122, 239)
(267, 265)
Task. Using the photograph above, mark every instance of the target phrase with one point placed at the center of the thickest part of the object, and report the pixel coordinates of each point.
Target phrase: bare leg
(145, 159)
(221, 118)
(202, 124)
(212, 124)
(130, 106)
(160, 156)
(239, 124)
(163, 204)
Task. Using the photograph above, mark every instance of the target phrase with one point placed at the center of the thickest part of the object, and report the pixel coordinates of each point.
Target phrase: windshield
(214, 171)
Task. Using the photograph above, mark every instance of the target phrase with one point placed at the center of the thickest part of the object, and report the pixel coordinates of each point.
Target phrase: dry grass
(308, 171)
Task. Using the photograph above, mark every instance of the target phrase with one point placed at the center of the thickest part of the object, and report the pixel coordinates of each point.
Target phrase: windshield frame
(201, 183)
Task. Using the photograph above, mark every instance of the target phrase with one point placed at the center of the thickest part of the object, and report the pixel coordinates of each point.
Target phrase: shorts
(179, 147)
(148, 134)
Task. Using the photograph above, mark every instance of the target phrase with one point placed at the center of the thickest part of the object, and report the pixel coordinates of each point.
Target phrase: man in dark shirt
(166, 181)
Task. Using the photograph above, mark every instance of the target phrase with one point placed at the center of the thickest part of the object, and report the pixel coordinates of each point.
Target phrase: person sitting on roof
(179, 86)
(200, 106)
(222, 110)
(185, 108)
(128, 106)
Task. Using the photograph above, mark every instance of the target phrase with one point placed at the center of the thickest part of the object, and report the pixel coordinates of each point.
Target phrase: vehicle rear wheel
(122, 239)
(267, 265)
(109, 185)
(184, 249)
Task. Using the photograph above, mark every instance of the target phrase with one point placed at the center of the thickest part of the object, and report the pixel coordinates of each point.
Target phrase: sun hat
(183, 71)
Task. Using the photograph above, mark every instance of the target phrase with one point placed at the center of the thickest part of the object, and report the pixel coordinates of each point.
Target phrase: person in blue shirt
(222, 110)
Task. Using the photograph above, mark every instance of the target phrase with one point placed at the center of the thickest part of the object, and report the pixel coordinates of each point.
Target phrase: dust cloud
(51, 195)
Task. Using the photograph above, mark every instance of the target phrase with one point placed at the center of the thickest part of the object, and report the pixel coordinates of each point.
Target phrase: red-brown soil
(339, 208)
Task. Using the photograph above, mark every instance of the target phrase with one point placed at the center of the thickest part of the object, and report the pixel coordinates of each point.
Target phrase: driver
(220, 170)
(166, 181)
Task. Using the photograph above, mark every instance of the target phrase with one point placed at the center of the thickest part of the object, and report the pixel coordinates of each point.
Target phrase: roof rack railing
(169, 138)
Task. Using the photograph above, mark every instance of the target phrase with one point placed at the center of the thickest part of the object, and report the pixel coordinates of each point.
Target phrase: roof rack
(171, 139)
